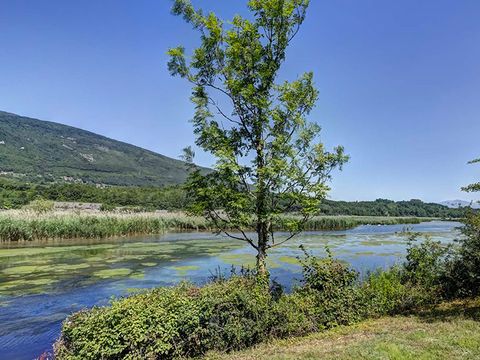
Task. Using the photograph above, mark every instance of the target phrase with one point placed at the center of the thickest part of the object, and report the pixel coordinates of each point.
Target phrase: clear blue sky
(399, 82)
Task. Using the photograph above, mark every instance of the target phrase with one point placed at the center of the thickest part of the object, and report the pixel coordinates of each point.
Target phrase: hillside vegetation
(38, 150)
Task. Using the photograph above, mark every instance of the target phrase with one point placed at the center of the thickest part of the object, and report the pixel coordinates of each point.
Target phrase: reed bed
(21, 225)
(350, 222)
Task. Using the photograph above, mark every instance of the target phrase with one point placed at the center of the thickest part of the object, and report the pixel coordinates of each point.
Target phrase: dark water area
(41, 283)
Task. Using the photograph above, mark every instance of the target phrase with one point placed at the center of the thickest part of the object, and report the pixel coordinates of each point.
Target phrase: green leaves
(269, 156)
(472, 187)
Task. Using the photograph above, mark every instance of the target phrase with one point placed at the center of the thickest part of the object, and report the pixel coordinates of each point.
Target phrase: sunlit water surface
(42, 282)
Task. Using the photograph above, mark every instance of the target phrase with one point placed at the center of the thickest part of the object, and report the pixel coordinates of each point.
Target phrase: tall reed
(27, 225)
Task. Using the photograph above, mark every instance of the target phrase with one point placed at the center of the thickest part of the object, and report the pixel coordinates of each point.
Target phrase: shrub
(384, 293)
(171, 322)
(425, 262)
(333, 286)
(462, 276)
(41, 206)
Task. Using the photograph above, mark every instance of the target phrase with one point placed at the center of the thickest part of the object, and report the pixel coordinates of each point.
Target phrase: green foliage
(333, 287)
(15, 194)
(170, 322)
(463, 275)
(425, 264)
(463, 268)
(269, 157)
(226, 315)
(383, 292)
(383, 207)
(41, 206)
(42, 151)
(472, 187)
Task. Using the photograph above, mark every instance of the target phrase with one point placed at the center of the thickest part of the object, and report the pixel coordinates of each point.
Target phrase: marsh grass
(25, 225)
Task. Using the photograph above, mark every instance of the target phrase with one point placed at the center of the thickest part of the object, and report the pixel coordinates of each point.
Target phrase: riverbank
(449, 331)
(22, 225)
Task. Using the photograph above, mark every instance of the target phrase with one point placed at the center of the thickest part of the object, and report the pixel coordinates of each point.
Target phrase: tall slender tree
(269, 159)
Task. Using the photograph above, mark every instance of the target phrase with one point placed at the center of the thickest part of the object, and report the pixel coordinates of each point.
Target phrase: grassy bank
(449, 331)
(20, 225)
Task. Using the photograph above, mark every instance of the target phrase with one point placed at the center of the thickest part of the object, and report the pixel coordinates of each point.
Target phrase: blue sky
(399, 82)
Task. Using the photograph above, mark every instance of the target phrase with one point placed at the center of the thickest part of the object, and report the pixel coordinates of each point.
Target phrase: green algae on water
(183, 270)
(289, 260)
(149, 264)
(110, 273)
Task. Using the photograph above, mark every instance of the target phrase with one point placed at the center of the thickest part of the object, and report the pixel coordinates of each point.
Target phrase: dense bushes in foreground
(225, 315)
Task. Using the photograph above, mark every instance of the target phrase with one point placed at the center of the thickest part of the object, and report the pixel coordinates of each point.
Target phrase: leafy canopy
(269, 158)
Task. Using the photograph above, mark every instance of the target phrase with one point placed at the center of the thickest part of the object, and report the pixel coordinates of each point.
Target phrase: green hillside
(41, 150)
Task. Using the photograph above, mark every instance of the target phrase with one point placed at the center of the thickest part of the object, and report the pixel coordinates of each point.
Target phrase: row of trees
(383, 207)
(14, 194)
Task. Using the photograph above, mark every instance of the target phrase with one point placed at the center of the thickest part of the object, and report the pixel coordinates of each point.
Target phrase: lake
(41, 283)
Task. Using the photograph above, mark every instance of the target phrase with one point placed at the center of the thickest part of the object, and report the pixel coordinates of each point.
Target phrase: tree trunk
(262, 233)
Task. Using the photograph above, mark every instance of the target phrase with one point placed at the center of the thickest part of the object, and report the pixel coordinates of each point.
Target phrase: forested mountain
(36, 150)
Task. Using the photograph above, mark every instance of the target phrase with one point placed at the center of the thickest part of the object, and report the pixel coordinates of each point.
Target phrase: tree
(269, 159)
(464, 268)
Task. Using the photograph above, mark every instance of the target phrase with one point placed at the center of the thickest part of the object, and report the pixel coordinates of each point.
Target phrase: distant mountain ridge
(455, 204)
(48, 151)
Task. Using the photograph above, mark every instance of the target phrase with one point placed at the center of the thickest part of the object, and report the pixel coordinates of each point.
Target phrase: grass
(23, 225)
(448, 331)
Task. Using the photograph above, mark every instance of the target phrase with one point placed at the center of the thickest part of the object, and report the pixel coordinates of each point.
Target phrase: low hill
(48, 151)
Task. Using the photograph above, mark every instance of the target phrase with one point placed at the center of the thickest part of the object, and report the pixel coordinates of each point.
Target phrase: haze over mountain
(48, 151)
(455, 204)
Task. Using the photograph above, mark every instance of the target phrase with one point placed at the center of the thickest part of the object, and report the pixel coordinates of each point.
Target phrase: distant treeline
(383, 207)
(15, 194)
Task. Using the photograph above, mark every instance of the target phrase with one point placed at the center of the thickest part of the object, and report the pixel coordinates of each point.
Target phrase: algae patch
(109, 273)
(183, 270)
(289, 260)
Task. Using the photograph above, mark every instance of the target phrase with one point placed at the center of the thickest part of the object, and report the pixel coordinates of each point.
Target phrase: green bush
(224, 315)
(171, 322)
(425, 267)
(384, 293)
(333, 286)
(40, 206)
(462, 278)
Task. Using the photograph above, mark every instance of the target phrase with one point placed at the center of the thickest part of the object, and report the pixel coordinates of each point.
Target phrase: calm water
(41, 283)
